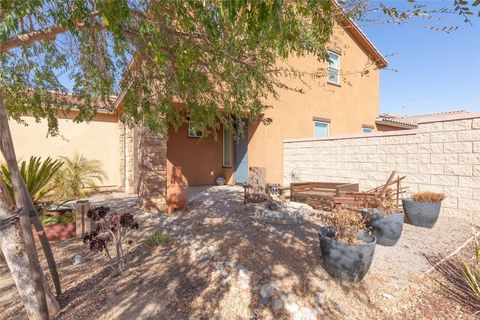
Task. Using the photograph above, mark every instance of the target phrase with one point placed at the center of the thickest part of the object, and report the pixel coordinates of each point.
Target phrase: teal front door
(241, 156)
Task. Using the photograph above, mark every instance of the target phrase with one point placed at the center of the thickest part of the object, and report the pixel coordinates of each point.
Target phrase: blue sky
(435, 71)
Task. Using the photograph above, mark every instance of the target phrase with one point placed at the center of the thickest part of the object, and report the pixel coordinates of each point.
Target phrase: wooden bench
(321, 195)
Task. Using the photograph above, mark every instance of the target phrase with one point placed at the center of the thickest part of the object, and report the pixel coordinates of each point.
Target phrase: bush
(54, 219)
(157, 239)
(347, 223)
(78, 176)
(112, 227)
(428, 197)
(37, 174)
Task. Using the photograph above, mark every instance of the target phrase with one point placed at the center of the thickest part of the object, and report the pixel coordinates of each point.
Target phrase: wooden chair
(255, 190)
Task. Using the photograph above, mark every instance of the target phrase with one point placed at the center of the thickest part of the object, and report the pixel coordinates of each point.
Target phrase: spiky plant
(37, 174)
(471, 273)
(78, 177)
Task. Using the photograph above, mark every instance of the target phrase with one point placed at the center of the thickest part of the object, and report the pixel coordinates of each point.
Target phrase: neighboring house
(346, 101)
(98, 140)
(389, 122)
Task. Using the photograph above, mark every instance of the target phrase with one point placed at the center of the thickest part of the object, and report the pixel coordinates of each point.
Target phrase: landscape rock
(78, 259)
(304, 314)
(264, 301)
(388, 296)
(243, 273)
(320, 297)
(319, 311)
(268, 290)
(277, 305)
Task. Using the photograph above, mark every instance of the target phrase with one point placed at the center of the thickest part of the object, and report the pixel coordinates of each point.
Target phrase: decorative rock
(231, 264)
(292, 307)
(304, 314)
(319, 311)
(267, 271)
(277, 305)
(243, 273)
(268, 290)
(387, 296)
(78, 259)
(284, 297)
(320, 297)
(264, 301)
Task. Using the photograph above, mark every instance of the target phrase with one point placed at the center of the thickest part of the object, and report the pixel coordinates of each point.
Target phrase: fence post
(82, 223)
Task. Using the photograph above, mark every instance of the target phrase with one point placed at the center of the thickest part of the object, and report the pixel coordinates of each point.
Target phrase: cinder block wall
(439, 157)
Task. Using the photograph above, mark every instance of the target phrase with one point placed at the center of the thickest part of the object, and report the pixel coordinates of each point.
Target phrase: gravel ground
(222, 263)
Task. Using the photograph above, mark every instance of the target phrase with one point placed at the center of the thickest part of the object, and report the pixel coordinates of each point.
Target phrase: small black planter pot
(386, 228)
(346, 261)
(421, 214)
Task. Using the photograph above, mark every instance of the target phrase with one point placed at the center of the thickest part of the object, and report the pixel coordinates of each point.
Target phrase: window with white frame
(192, 131)
(320, 129)
(366, 129)
(333, 67)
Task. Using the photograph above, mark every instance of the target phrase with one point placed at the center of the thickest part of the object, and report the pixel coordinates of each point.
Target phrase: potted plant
(383, 218)
(423, 208)
(347, 247)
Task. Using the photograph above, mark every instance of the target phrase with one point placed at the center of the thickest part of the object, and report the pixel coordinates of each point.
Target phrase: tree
(219, 57)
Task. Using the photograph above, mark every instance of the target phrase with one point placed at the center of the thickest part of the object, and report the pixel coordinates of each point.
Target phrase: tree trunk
(13, 248)
(22, 202)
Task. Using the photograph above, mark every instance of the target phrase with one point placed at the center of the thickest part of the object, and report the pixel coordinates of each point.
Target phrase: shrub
(112, 227)
(386, 204)
(37, 174)
(428, 197)
(471, 274)
(59, 218)
(77, 177)
(347, 222)
(157, 239)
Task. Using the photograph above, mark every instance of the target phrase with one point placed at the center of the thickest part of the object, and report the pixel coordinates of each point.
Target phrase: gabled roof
(413, 121)
(360, 37)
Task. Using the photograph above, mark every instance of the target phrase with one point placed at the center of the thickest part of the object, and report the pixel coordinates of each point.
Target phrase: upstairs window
(320, 129)
(192, 131)
(367, 129)
(333, 68)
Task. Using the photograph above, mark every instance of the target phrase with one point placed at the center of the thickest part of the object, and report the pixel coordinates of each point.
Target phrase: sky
(432, 71)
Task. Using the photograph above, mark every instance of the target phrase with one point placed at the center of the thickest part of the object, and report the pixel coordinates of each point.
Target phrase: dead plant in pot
(423, 209)
(346, 245)
(383, 217)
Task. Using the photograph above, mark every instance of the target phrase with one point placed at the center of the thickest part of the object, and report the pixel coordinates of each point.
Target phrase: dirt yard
(223, 263)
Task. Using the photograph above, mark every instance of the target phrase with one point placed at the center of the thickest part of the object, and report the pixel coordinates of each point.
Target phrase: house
(345, 101)
(389, 122)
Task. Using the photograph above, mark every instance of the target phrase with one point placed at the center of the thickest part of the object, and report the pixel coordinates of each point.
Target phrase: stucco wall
(349, 106)
(439, 157)
(199, 158)
(97, 140)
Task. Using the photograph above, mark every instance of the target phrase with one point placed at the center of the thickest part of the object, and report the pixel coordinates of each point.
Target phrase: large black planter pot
(346, 261)
(421, 214)
(386, 228)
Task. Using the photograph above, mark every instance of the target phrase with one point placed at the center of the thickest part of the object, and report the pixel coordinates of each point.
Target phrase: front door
(241, 156)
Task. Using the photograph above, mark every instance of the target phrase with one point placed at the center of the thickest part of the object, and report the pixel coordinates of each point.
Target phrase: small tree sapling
(111, 227)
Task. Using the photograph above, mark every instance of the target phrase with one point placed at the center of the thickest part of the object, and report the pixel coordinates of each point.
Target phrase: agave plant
(471, 274)
(78, 177)
(37, 175)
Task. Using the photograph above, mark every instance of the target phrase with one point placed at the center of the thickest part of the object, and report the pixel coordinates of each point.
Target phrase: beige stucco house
(344, 101)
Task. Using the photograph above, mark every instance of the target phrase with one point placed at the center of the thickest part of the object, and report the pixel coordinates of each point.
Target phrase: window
(227, 147)
(367, 129)
(333, 67)
(192, 131)
(320, 129)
